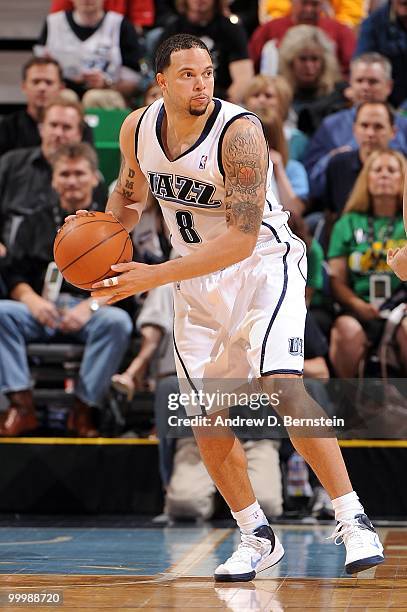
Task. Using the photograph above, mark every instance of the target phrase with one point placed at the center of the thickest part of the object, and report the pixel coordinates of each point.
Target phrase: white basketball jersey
(190, 189)
(100, 51)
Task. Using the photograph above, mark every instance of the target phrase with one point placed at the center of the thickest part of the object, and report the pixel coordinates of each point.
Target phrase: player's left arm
(245, 162)
(129, 196)
(397, 258)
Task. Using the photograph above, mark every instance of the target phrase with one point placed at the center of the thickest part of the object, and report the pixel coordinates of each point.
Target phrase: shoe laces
(347, 531)
(245, 549)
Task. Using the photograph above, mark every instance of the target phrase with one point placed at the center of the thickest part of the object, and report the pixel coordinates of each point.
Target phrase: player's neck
(179, 132)
(87, 19)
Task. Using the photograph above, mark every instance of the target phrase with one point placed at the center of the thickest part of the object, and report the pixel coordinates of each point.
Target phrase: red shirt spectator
(139, 12)
(342, 36)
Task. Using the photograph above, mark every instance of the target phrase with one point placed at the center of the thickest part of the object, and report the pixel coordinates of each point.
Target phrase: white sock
(250, 518)
(347, 506)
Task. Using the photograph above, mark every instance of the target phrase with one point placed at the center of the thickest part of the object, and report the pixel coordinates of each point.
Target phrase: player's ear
(161, 80)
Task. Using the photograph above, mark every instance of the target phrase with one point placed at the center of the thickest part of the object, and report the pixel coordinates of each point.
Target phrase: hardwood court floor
(170, 568)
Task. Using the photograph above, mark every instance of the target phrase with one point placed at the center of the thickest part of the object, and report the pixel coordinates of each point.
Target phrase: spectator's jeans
(106, 337)
(166, 446)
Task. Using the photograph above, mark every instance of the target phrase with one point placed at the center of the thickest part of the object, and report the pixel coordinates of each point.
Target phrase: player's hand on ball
(397, 261)
(131, 278)
(83, 213)
(78, 213)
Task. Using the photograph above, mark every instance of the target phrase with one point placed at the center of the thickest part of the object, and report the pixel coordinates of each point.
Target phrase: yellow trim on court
(154, 442)
(373, 443)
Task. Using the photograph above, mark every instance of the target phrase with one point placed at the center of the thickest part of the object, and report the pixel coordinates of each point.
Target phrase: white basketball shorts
(245, 321)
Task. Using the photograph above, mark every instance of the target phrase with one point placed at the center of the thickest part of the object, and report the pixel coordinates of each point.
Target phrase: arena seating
(20, 25)
(21, 21)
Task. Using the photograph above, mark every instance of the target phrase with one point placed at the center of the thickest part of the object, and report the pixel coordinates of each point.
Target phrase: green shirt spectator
(371, 225)
(364, 241)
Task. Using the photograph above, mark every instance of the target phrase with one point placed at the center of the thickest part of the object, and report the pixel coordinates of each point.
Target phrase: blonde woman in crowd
(308, 62)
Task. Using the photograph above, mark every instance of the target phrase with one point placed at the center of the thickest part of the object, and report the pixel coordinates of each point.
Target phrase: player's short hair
(386, 106)
(41, 61)
(373, 58)
(60, 100)
(80, 150)
(175, 43)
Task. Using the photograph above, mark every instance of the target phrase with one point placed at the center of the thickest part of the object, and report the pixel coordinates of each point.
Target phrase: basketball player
(238, 287)
(397, 258)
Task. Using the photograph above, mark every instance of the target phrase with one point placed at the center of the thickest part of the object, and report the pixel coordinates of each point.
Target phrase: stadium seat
(106, 128)
(54, 368)
(20, 25)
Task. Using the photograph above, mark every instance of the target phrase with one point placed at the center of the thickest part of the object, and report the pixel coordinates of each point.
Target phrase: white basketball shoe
(363, 547)
(256, 552)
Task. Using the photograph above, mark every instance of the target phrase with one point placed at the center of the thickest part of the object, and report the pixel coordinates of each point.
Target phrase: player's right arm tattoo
(125, 184)
(245, 161)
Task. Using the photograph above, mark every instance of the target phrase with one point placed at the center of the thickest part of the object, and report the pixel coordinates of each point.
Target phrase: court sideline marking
(198, 552)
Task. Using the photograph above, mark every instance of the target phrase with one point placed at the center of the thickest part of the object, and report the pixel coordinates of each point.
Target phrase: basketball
(246, 176)
(86, 247)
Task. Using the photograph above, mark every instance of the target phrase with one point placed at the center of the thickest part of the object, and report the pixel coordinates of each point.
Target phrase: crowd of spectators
(327, 81)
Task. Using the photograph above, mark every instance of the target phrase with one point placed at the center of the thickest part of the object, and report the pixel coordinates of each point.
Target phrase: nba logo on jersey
(295, 346)
(203, 161)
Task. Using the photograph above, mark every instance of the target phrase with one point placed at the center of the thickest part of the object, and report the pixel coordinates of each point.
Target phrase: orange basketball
(86, 247)
(246, 176)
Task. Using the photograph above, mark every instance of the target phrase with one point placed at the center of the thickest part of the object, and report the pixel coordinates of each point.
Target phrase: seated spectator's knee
(116, 320)
(347, 329)
(190, 493)
(8, 307)
(265, 474)
(11, 313)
